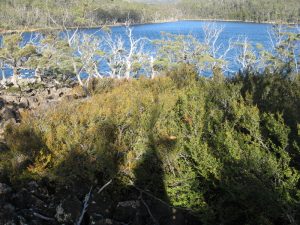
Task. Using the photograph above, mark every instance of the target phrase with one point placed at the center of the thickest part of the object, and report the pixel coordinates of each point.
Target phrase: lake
(256, 33)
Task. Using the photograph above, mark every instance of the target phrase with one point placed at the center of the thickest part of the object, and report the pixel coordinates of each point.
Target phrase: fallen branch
(85, 206)
(104, 186)
(43, 217)
(86, 202)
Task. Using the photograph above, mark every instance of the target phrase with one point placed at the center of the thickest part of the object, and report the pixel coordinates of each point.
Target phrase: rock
(5, 190)
(9, 208)
(8, 215)
(177, 218)
(32, 187)
(2, 103)
(10, 98)
(107, 222)
(100, 207)
(126, 211)
(8, 114)
(3, 147)
(24, 103)
(68, 211)
(20, 199)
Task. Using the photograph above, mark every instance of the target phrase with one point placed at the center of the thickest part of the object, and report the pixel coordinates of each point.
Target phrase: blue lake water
(256, 33)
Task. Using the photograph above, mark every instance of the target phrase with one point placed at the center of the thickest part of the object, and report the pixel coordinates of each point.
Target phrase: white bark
(121, 58)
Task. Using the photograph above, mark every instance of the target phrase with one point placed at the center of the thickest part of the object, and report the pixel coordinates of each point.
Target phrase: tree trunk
(15, 76)
(152, 75)
(85, 89)
(38, 74)
(128, 69)
(3, 76)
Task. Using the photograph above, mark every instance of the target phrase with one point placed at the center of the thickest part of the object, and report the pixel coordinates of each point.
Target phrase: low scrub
(210, 147)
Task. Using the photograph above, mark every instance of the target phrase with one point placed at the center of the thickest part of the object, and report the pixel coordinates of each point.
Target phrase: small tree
(245, 56)
(86, 57)
(215, 49)
(53, 54)
(174, 49)
(284, 56)
(15, 55)
(125, 61)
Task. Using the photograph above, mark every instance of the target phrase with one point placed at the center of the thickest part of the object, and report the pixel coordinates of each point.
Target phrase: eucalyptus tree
(174, 49)
(125, 60)
(114, 59)
(51, 55)
(284, 56)
(15, 54)
(216, 50)
(87, 56)
(245, 55)
(206, 56)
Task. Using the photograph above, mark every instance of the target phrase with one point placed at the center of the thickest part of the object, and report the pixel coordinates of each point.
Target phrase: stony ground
(14, 100)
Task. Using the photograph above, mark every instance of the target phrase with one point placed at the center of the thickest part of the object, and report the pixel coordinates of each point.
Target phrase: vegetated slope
(226, 150)
(34, 13)
(155, 1)
(248, 10)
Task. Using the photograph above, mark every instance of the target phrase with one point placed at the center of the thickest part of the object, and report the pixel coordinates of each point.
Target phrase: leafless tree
(214, 47)
(88, 54)
(245, 55)
(285, 50)
(125, 61)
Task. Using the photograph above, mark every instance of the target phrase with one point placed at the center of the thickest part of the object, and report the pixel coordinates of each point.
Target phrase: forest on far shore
(28, 14)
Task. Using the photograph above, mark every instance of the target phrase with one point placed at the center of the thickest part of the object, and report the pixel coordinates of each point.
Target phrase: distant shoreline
(137, 24)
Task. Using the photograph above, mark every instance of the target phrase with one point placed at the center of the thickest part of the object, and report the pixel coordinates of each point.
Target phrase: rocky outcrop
(9, 113)
(29, 97)
(33, 97)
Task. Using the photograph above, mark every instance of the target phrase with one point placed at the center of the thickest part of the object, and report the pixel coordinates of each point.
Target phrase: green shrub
(194, 142)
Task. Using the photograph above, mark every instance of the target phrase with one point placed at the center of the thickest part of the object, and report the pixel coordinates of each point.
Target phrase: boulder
(107, 222)
(2, 103)
(5, 190)
(3, 147)
(127, 211)
(9, 114)
(21, 199)
(69, 210)
(8, 214)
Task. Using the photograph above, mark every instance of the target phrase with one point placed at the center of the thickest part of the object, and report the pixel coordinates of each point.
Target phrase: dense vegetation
(225, 149)
(41, 14)
(248, 10)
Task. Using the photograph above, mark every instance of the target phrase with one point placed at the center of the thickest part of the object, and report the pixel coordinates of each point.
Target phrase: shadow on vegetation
(231, 160)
